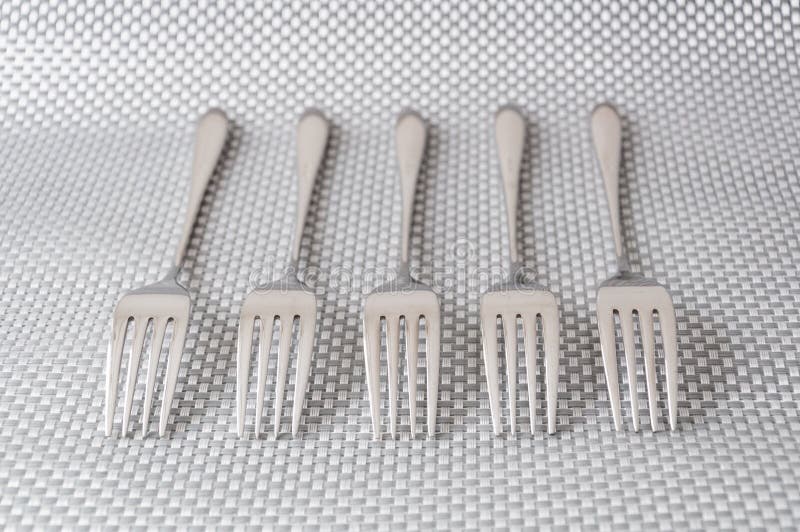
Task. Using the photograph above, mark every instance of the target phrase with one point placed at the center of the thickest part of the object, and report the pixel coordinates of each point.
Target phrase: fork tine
(626, 324)
(608, 348)
(412, 351)
(243, 353)
(551, 336)
(264, 346)
(304, 349)
(139, 330)
(433, 346)
(392, 359)
(372, 359)
(159, 330)
(648, 350)
(287, 320)
(669, 333)
(113, 362)
(173, 365)
(489, 335)
(510, 332)
(529, 343)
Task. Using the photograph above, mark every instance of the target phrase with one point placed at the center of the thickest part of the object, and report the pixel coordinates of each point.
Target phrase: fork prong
(529, 343)
(550, 332)
(173, 365)
(244, 350)
(287, 321)
(608, 348)
(139, 330)
(433, 346)
(392, 359)
(648, 350)
(372, 359)
(264, 347)
(412, 351)
(305, 346)
(510, 332)
(669, 334)
(113, 363)
(489, 335)
(626, 324)
(159, 330)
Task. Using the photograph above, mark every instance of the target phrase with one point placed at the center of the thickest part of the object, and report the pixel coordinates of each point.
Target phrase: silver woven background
(99, 101)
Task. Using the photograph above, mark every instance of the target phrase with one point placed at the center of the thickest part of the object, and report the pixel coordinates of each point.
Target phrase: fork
(162, 302)
(627, 293)
(286, 299)
(517, 297)
(404, 297)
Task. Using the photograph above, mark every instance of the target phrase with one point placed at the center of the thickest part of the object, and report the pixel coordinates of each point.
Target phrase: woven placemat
(99, 102)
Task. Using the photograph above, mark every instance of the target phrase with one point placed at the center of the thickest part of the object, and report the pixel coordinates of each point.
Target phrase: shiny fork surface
(162, 302)
(627, 293)
(284, 300)
(404, 298)
(517, 298)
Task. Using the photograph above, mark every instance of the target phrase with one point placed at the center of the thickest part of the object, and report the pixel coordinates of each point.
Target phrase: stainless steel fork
(286, 299)
(627, 293)
(517, 297)
(162, 302)
(406, 298)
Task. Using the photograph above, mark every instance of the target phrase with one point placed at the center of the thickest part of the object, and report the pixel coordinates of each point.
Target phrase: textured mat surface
(99, 103)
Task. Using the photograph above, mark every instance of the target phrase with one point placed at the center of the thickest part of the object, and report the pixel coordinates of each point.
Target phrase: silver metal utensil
(517, 298)
(406, 298)
(284, 300)
(162, 302)
(627, 293)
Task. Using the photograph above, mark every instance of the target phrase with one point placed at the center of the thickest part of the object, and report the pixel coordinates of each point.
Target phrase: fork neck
(517, 271)
(171, 276)
(404, 271)
(293, 269)
(623, 264)
(174, 271)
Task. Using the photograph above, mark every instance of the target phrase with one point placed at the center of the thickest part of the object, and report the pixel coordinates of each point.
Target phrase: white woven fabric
(99, 102)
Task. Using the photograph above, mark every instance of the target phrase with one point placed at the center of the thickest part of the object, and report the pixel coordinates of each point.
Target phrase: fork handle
(509, 125)
(209, 141)
(312, 137)
(607, 137)
(410, 137)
